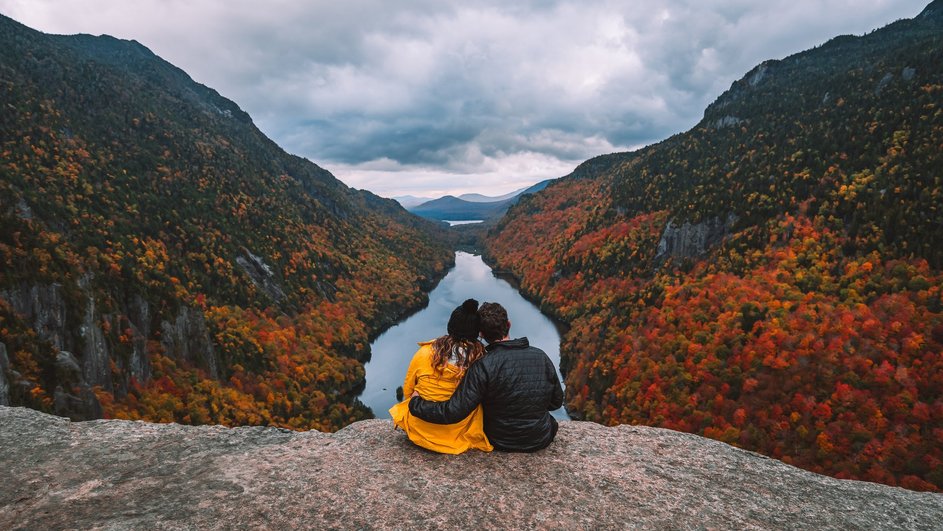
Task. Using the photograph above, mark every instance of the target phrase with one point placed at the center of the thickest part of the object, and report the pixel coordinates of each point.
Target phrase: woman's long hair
(461, 352)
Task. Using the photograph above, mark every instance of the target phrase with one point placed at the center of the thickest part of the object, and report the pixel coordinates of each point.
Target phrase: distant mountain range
(478, 198)
(470, 206)
(410, 201)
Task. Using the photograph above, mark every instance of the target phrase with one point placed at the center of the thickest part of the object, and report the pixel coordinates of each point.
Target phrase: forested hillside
(160, 258)
(772, 277)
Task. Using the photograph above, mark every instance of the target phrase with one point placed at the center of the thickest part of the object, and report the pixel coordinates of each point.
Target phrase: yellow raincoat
(431, 385)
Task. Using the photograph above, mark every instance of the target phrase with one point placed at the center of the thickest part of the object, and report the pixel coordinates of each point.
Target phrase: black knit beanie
(464, 322)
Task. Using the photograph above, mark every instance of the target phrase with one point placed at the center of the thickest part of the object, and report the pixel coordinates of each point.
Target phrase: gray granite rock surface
(58, 474)
(43, 307)
(187, 338)
(689, 240)
(4, 382)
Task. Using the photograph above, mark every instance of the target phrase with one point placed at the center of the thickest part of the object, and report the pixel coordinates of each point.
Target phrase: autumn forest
(199, 273)
(771, 278)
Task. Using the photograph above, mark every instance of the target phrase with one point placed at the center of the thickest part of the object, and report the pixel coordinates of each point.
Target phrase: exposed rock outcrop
(690, 240)
(73, 397)
(739, 88)
(118, 474)
(187, 338)
(4, 382)
(96, 360)
(23, 211)
(261, 275)
(139, 317)
(43, 307)
(726, 121)
(79, 331)
(77, 328)
(758, 74)
(883, 83)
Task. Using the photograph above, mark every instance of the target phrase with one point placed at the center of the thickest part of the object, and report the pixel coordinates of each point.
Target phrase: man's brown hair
(494, 322)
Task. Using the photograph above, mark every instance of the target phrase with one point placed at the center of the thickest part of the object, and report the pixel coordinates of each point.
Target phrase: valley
(771, 278)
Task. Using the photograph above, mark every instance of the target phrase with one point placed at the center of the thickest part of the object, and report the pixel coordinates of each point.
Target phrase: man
(515, 383)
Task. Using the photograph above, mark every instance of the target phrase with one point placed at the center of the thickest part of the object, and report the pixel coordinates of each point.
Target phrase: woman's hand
(414, 395)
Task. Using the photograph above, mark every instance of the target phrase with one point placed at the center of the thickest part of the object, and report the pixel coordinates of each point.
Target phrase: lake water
(471, 278)
(462, 222)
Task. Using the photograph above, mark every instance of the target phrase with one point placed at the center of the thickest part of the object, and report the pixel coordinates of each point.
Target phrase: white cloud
(430, 96)
(490, 175)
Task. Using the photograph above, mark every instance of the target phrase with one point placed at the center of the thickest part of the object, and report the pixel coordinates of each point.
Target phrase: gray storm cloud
(430, 97)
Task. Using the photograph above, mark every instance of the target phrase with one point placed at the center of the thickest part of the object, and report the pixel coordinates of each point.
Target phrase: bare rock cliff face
(44, 308)
(118, 474)
(188, 338)
(77, 333)
(4, 382)
(689, 240)
(261, 275)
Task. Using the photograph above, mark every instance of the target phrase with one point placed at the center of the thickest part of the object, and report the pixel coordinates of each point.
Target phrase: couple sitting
(461, 394)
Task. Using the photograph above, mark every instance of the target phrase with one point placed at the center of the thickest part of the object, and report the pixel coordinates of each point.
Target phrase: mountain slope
(771, 278)
(190, 268)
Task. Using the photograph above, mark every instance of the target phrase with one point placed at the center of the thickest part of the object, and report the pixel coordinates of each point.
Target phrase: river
(471, 278)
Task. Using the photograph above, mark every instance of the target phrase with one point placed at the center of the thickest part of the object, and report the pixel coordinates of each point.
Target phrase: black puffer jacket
(517, 386)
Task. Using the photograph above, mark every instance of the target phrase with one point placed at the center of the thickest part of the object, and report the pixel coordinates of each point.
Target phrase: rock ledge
(119, 474)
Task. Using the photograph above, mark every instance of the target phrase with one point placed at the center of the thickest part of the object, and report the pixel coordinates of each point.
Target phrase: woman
(435, 371)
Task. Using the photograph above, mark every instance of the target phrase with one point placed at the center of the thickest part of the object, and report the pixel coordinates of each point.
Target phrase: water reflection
(471, 278)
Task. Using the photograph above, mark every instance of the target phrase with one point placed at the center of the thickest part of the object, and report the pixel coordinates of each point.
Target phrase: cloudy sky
(428, 97)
